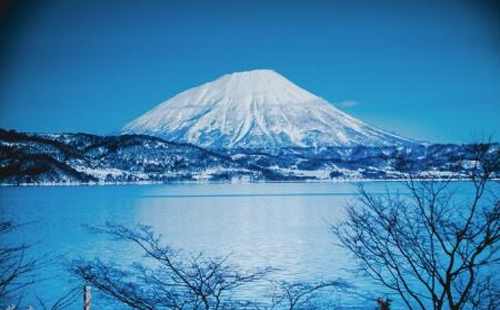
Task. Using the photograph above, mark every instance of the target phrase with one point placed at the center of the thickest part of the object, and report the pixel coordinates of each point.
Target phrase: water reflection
(284, 225)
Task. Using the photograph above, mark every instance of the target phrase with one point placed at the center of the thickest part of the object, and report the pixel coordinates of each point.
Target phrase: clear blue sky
(427, 70)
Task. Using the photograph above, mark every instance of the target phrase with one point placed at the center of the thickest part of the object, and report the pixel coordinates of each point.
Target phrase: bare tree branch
(176, 282)
(431, 246)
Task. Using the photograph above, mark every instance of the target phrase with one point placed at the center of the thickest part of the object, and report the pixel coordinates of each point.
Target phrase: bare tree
(16, 268)
(175, 282)
(437, 245)
(307, 295)
(18, 273)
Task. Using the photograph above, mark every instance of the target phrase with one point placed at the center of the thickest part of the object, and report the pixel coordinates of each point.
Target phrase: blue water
(283, 225)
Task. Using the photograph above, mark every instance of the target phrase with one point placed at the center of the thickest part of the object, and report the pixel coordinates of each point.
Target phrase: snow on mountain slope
(256, 109)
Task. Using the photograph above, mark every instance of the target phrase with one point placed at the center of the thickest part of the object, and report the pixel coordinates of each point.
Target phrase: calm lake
(283, 225)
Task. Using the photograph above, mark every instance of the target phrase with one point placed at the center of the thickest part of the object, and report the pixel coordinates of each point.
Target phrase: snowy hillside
(27, 158)
(83, 158)
(256, 109)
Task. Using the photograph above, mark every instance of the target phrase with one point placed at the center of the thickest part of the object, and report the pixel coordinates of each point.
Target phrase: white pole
(86, 297)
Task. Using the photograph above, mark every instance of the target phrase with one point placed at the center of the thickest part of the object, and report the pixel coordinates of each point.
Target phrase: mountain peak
(262, 83)
(262, 75)
(256, 109)
(255, 72)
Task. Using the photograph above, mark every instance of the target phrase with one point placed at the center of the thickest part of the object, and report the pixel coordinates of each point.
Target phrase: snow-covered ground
(84, 159)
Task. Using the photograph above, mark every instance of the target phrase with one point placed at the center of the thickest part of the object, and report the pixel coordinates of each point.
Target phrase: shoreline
(145, 183)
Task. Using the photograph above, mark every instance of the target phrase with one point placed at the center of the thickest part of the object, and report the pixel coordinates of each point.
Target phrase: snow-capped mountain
(256, 109)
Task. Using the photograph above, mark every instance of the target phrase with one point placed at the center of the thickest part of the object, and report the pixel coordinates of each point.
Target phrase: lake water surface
(283, 225)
